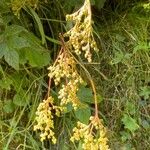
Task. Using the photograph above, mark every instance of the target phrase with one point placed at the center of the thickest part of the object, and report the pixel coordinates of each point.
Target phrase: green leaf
(143, 46)
(37, 58)
(32, 39)
(3, 49)
(17, 42)
(12, 58)
(9, 106)
(13, 30)
(69, 107)
(83, 114)
(145, 92)
(85, 95)
(130, 123)
(130, 107)
(118, 58)
(35, 54)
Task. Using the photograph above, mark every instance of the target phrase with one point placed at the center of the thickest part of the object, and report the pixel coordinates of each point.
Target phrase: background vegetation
(29, 42)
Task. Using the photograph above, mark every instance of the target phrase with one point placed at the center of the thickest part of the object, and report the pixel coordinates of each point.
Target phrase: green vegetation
(29, 44)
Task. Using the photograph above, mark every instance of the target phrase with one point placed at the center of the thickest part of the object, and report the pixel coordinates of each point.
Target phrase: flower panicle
(81, 38)
(93, 135)
(65, 75)
(64, 71)
(44, 119)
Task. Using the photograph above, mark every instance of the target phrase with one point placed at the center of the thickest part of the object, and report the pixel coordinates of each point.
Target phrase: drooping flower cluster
(64, 70)
(67, 79)
(68, 93)
(81, 35)
(44, 118)
(92, 135)
(63, 67)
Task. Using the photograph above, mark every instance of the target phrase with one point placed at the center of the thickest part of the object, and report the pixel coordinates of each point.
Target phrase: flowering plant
(65, 74)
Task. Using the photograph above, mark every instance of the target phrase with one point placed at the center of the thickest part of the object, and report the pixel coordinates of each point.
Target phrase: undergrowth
(29, 43)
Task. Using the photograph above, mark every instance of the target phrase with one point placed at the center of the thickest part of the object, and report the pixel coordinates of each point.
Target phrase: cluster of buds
(81, 35)
(65, 69)
(93, 135)
(68, 93)
(17, 5)
(44, 117)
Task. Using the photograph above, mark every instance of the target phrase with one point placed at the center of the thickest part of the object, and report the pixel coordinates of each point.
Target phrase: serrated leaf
(3, 49)
(22, 56)
(32, 39)
(12, 58)
(13, 30)
(130, 123)
(37, 58)
(83, 114)
(9, 106)
(17, 42)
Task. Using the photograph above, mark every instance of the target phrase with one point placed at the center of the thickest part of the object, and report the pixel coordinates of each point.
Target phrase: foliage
(29, 42)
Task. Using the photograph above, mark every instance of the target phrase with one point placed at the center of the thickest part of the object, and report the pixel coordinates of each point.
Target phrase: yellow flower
(93, 138)
(64, 70)
(81, 35)
(44, 118)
